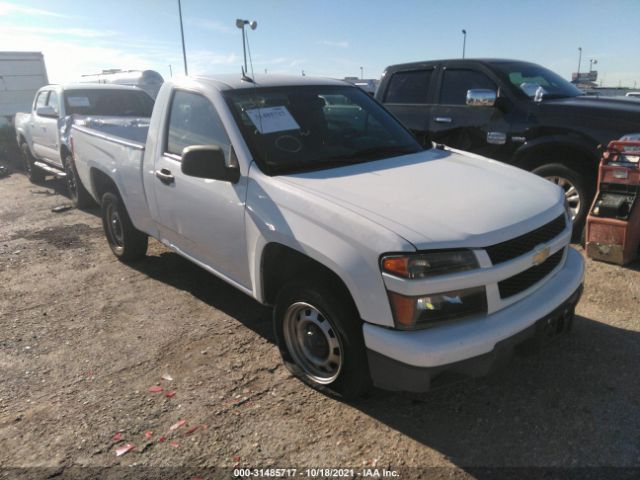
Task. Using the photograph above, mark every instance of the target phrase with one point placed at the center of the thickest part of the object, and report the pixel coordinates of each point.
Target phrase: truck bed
(115, 147)
(132, 130)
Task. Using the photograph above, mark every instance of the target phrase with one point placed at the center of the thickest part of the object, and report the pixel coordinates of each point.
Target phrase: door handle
(165, 176)
(443, 119)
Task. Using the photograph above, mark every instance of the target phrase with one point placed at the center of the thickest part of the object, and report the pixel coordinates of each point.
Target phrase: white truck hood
(440, 199)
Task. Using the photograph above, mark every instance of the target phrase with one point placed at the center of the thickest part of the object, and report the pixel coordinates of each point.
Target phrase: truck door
(408, 97)
(478, 129)
(202, 218)
(51, 134)
(36, 128)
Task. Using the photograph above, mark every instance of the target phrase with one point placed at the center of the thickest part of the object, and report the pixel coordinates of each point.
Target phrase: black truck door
(478, 129)
(408, 96)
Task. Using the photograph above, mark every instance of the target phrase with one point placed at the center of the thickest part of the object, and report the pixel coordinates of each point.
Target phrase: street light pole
(240, 23)
(579, 62)
(464, 42)
(184, 51)
(361, 74)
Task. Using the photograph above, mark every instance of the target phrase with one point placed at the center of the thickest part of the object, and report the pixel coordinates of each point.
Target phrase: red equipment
(613, 224)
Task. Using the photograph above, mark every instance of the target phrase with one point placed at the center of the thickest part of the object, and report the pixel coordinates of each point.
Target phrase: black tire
(352, 378)
(583, 183)
(126, 242)
(34, 174)
(79, 195)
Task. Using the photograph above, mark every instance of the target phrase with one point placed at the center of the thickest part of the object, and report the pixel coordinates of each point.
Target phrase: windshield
(528, 78)
(290, 129)
(105, 102)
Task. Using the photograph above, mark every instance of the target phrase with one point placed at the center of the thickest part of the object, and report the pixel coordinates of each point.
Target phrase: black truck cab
(513, 111)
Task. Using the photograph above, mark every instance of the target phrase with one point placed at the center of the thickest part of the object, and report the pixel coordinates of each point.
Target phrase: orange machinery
(613, 224)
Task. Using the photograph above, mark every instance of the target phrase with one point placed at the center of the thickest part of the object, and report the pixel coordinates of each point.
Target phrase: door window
(409, 87)
(41, 101)
(194, 121)
(54, 102)
(455, 84)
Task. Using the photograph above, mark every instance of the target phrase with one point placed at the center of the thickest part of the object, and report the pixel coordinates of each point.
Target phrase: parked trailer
(148, 80)
(21, 75)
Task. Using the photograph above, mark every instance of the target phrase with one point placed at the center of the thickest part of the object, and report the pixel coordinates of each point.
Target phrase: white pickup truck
(385, 262)
(42, 133)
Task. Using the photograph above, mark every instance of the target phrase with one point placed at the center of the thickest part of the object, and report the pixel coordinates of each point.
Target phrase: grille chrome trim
(510, 249)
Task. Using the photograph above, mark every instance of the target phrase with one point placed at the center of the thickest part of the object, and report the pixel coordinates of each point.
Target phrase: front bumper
(408, 361)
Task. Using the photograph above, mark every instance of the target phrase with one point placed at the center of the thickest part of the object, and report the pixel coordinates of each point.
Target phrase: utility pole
(170, 71)
(184, 51)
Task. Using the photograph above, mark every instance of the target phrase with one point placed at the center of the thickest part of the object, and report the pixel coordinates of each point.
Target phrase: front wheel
(34, 174)
(79, 195)
(319, 334)
(578, 191)
(126, 242)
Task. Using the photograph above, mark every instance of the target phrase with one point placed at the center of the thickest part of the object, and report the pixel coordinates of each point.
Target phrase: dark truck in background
(513, 111)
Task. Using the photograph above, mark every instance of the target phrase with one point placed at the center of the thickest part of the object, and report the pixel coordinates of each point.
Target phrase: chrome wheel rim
(114, 226)
(571, 194)
(313, 343)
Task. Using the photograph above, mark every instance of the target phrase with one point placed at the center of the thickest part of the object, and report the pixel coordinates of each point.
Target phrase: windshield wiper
(371, 153)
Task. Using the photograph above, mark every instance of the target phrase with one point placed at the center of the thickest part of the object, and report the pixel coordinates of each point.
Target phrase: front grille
(523, 280)
(501, 252)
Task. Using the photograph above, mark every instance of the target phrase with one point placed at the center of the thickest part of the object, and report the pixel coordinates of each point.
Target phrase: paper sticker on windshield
(272, 119)
(78, 102)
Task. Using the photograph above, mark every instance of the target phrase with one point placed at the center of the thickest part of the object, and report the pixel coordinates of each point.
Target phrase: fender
(566, 141)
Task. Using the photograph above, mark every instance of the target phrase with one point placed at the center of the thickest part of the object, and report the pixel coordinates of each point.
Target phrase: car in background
(513, 111)
(42, 134)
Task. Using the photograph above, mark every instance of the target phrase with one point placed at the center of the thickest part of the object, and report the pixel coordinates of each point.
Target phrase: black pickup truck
(513, 111)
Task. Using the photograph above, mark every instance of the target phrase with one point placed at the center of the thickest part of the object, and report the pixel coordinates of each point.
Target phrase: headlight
(429, 264)
(410, 313)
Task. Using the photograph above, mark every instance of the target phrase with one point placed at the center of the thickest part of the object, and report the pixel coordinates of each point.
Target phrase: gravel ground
(83, 338)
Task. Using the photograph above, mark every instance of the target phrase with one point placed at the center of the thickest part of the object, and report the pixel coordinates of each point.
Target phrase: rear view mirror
(46, 112)
(479, 97)
(207, 161)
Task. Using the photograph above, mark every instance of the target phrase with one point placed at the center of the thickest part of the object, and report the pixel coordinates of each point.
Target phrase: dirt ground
(83, 337)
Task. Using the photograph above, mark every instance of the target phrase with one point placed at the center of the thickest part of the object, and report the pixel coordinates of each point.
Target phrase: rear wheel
(126, 242)
(578, 191)
(319, 334)
(34, 174)
(79, 195)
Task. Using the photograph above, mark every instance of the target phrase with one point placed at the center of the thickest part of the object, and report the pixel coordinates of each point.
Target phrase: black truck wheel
(79, 195)
(126, 242)
(578, 191)
(319, 334)
(34, 174)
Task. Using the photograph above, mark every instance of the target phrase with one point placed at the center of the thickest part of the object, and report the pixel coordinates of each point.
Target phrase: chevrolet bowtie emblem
(541, 255)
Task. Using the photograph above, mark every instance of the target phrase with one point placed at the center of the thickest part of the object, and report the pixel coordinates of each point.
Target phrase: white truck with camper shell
(386, 263)
(42, 134)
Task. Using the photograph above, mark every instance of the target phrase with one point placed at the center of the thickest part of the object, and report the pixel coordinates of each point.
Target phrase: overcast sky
(329, 38)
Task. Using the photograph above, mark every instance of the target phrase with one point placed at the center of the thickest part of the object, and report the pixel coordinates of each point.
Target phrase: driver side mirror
(480, 97)
(207, 161)
(46, 111)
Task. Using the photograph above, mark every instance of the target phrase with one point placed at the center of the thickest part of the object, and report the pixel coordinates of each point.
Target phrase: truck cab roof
(453, 62)
(235, 81)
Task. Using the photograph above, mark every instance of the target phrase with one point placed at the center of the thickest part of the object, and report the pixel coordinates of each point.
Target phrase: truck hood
(440, 199)
(619, 113)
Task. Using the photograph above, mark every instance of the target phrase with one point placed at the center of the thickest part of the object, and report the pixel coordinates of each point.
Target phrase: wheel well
(281, 264)
(570, 156)
(102, 183)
